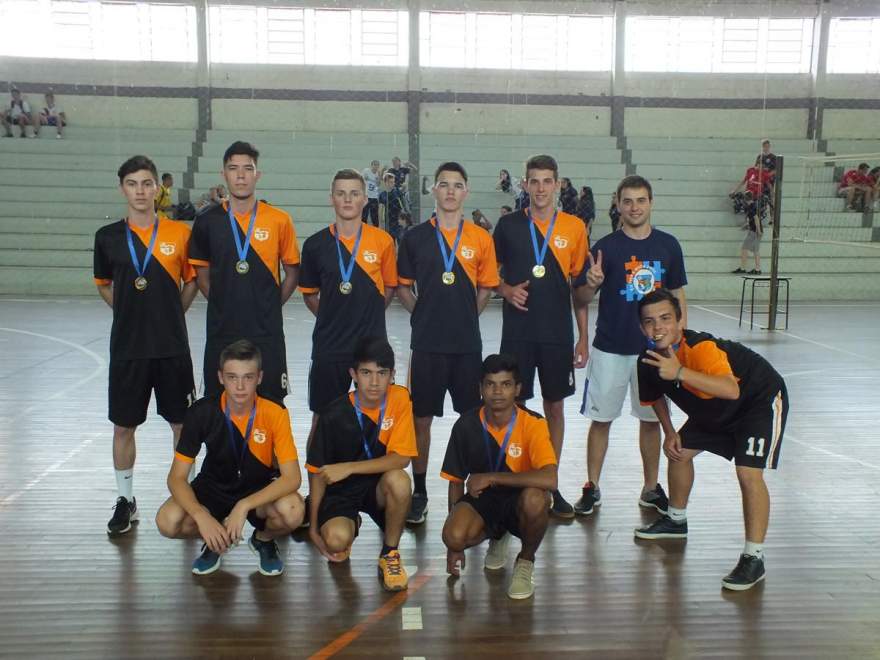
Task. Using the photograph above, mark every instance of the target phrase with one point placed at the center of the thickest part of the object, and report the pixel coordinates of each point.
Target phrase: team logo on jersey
(387, 423)
(560, 241)
(467, 252)
(167, 248)
(642, 277)
(259, 436)
(261, 234)
(370, 257)
(514, 451)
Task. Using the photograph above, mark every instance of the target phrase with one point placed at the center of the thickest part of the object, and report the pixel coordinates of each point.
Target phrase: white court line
(793, 336)
(827, 452)
(411, 618)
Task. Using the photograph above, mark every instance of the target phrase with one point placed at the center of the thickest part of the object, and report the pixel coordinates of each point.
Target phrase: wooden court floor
(67, 591)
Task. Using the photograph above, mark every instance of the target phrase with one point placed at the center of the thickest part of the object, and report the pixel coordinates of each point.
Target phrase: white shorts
(609, 377)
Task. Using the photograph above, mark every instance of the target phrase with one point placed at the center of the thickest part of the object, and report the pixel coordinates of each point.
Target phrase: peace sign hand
(595, 274)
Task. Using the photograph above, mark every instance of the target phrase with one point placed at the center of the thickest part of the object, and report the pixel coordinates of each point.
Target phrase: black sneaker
(748, 572)
(560, 508)
(663, 528)
(754, 271)
(418, 509)
(125, 514)
(655, 499)
(590, 498)
(738, 271)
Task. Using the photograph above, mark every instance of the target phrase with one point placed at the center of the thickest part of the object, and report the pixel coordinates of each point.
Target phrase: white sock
(124, 480)
(754, 549)
(678, 515)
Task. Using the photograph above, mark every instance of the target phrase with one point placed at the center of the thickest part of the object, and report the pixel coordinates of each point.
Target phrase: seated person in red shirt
(757, 181)
(856, 183)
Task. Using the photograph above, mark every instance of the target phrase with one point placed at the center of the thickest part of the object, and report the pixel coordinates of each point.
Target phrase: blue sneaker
(270, 560)
(207, 562)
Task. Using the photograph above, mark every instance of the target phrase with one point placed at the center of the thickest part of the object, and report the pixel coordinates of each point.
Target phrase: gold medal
(345, 288)
(242, 267)
(539, 271)
(140, 283)
(448, 277)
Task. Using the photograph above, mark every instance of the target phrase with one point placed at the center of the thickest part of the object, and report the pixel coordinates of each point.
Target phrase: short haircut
(658, 296)
(864, 166)
(373, 349)
(136, 164)
(498, 362)
(348, 175)
(634, 181)
(166, 175)
(450, 166)
(374, 162)
(507, 209)
(243, 350)
(542, 162)
(239, 148)
(765, 141)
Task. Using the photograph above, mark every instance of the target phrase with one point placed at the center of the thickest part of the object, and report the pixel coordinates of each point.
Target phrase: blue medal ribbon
(239, 454)
(360, 418)
(242, 250)
(540, 254)
(138, 268)
(490, 441)
(448, 259)
(346, 271)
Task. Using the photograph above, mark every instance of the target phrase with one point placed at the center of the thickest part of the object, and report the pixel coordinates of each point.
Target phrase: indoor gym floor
(66, 590)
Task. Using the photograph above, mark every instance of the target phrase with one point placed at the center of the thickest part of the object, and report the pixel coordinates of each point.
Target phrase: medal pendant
(539, 271)
(448, 278)
(345, 288)
(140, 283)
(242, 267)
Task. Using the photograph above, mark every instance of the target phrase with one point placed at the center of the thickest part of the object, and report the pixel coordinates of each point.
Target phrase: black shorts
(554, 363)
(328, 380)
(132, 381)
(274, 353)
(432, 374)
(220, 503)
(755, 440)
(498, 506)
(371, 211)
(348, 498)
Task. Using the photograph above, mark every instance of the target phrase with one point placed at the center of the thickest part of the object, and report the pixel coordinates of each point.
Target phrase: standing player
(736, 405)
(504, 453)
(371, 178)
(541, 249)
(452, 263)
(625, 266)
(391, 204)
(142, 272)
(347, 279)
(245, 437)
(236, 248)
(357, 461)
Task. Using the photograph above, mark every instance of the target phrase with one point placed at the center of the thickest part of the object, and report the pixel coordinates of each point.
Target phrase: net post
(774, 254)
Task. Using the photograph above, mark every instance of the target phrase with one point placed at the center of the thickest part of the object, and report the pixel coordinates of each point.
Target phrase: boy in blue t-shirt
(625, 266)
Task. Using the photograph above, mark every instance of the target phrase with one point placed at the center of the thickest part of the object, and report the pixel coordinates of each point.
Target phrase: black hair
(166, 175)
(450, 166)
(136, 164)
(508, 209)
(633, 182)
(239, 148)
(542, 162)
(864, 166)
(658, 296)
(499, 362)
(243, 350)
(373, 349)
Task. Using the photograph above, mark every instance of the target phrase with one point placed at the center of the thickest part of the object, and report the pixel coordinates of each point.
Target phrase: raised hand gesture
(595, 274)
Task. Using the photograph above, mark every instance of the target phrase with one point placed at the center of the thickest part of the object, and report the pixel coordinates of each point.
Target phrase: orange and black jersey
(244, 305)
(549, 319)
(445, 319)
(271, 441)
(148, 323)
(702, 352)
(343, 319)
(528, 448)
(338, 437)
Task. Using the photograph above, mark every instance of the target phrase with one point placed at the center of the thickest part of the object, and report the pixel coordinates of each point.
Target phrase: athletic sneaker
(394, 578)
(748, 572)
(663, 528)
(125, 513)
(738, 271)
(754, 271)
(496, 555)
(591, 497)
(270, 561)
(560, 508)
(418, 509)
(521, 585)
(207, 562)
(655, 498)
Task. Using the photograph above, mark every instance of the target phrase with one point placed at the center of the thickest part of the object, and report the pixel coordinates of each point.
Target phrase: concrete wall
(319, 116)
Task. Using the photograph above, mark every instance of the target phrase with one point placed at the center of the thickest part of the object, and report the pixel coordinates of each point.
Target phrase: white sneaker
(521, 585)
(496, 556)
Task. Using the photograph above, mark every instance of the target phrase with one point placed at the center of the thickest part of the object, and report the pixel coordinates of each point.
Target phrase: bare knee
(337, 538)
(533, 502)
(289, 511)
(455, 537)
(749, 477)
(169, 520)
(396, 484)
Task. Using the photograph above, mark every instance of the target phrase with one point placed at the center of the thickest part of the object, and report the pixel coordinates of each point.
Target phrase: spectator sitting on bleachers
(391, 205)
(50, 115)
(214, 197)
(586, 207)
(522, 199)
(163, 203)
(614, 213)
(568, 197)
(752, 241)
(756, 181)
(481, 220)
(504, 184)
(17, 112)
(856, 187)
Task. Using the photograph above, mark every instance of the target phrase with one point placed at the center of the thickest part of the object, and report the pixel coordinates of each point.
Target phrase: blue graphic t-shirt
(633, 268)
